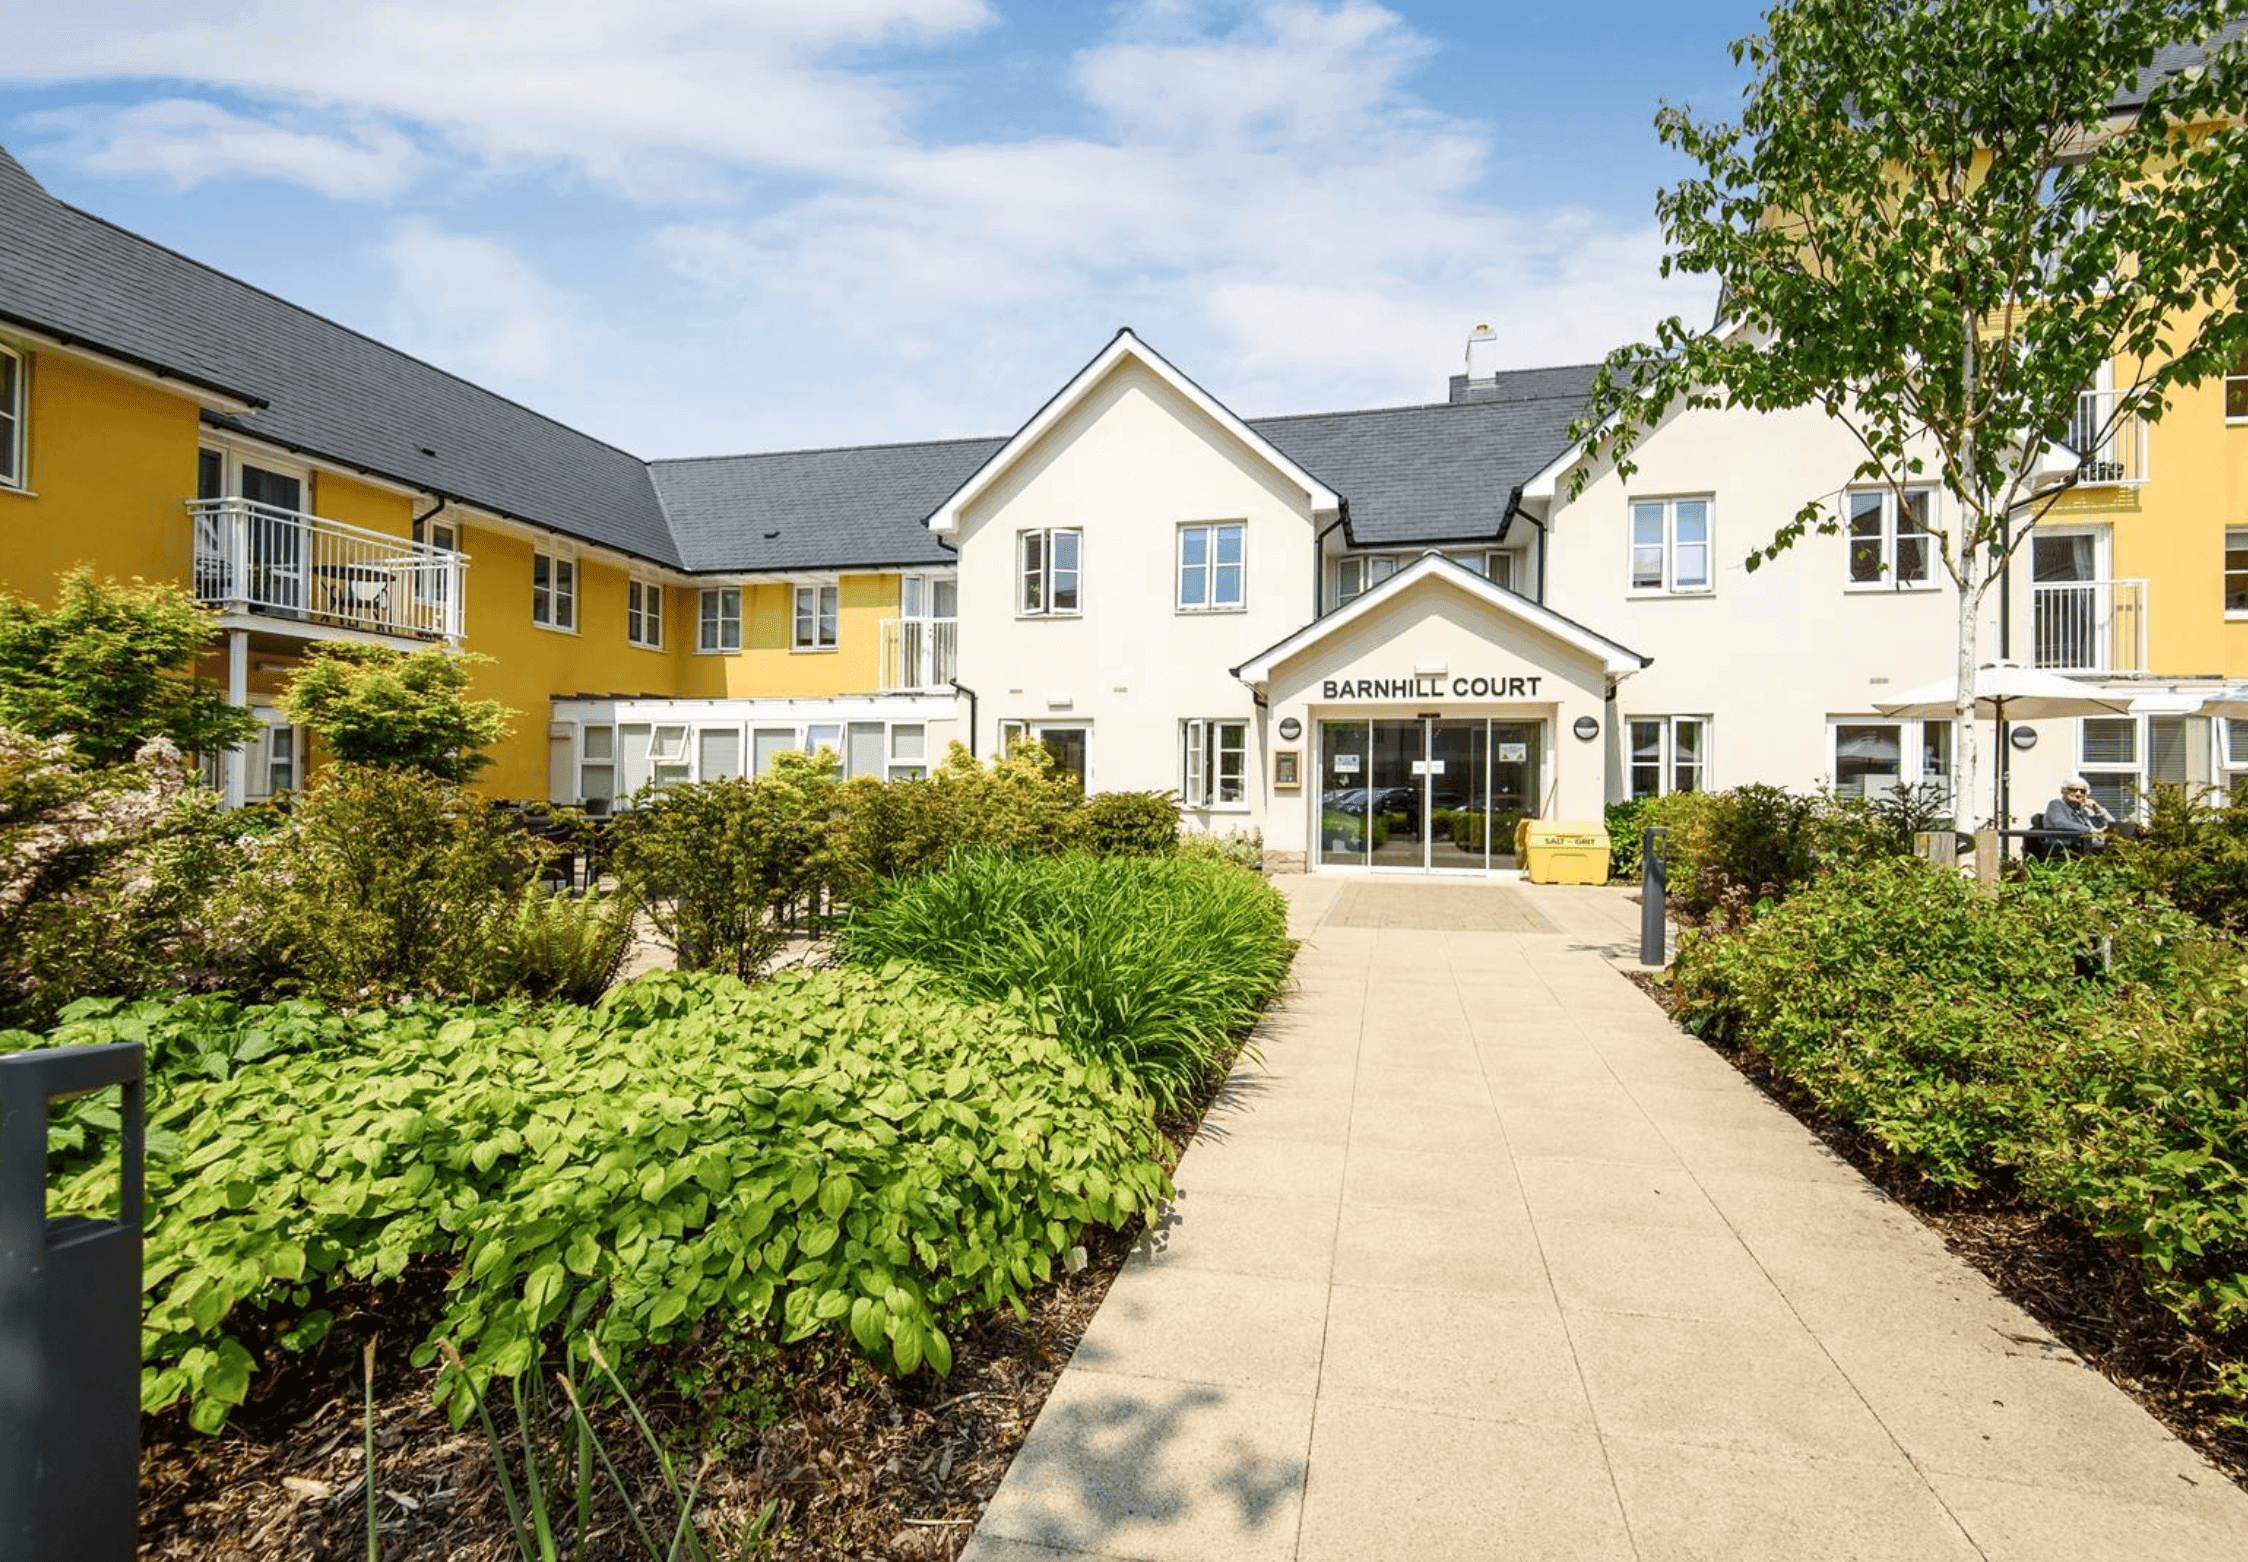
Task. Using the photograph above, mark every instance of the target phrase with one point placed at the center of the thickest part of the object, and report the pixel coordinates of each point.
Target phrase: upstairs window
(11, 418)
(2236, 390)
(1046, 572)
(643, 614)
(815, 618)
(1889, 541)
(1670, 545)
(1360, 573)
(2236, 569)
(1210, 568)
(554, 591)
(721, 619)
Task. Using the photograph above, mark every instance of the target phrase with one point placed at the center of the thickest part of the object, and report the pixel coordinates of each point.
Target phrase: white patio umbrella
(2005, 691)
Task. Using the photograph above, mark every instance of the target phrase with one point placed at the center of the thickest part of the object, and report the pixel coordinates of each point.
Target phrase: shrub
(716, 862)
(1131, 824)
(1241, 848)
(847, 1151)
(374, 705)
(112, 667)
(2194, 853)
(383, 883)
(1149, 964)
(564, 947)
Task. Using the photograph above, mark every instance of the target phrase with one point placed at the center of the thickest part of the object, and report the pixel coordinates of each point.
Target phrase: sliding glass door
(1425, 794)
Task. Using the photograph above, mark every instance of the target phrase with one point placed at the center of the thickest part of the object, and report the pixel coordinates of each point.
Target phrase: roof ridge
(832, 450)
(348, 330)
(1418, 406)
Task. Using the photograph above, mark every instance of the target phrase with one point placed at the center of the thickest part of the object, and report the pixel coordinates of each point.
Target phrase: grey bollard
(1654, 897)
(70, 1312)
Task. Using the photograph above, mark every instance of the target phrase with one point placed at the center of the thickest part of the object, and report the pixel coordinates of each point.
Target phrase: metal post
(1654, 897)
(70, 1306)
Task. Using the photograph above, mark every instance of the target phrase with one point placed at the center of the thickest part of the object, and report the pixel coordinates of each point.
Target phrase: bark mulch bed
(805, 1446)
(2084, 1288)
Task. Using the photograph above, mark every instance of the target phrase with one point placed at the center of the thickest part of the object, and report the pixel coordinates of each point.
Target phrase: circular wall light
(1587, 727)
(2022, 737)
(1290, 728)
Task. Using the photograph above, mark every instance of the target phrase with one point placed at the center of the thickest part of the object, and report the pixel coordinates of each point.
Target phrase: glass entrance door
(1426, 794)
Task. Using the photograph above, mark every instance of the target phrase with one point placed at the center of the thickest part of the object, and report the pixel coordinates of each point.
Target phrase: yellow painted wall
(112, 464)
(363, 505)
(769, 664)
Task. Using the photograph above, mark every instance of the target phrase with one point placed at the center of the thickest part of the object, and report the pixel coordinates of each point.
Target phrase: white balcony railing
(918, 653)
(256, 558)
(2112, 448)
(2090, 626)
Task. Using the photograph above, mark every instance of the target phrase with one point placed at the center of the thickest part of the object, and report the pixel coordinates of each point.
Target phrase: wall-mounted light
(1430, 669)
(2024, 738)
(1290, 728)
(1587, 727)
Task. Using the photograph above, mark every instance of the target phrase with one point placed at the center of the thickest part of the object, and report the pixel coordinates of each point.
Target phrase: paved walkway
(1486, 1260)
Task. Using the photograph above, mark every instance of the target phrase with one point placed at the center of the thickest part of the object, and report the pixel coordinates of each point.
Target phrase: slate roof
(806, 509)
(1426, 474)
(328, 391)
(1439, 473)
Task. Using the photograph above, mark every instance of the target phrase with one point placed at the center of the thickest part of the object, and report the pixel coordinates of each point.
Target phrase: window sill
(20, 493)
(1882, 588)
(1216, 808)
(1651, 594)
(2235, 615)
(555, 629)
(813, 650)
(718, 650)
(1037, 618)
(644, 645)
(1226, 610)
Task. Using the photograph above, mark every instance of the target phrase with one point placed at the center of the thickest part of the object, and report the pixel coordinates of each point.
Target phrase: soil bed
(2083, 1288)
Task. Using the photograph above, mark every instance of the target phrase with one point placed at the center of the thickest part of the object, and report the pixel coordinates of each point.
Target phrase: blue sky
(717, 225)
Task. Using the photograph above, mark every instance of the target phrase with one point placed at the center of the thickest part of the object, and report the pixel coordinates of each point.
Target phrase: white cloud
(475, 306)
(185, 142)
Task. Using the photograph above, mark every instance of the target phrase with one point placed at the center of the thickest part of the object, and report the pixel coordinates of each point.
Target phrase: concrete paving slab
(1163, 1471)
(1387, 1484)
(1689, 1504)
(1483, 1258)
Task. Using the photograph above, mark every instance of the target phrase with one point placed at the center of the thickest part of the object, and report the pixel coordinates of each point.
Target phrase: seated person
(2078, 822)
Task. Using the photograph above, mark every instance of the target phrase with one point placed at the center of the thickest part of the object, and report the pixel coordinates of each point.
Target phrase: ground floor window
(2123, 757)
(1668, 754)
(1213, 763)
(1068, 744)
(616, 759)
(1874, 759)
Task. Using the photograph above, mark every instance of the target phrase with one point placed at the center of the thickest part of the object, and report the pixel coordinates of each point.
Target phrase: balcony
(2112, 447)
(2090, 626)
(918, 653)
(282, 564)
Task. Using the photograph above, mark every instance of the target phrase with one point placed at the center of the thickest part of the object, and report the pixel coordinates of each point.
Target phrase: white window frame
(643, 613)
(815, 616)
(1038, 584)
(1888, 579)
(554, 605)
(1673, 577)
(1208, 575)
(2099, 771)
(604, 760)
(718, 633)
(1668, 765)
(2236, 390)
(15, 404)
(1912, 751)
(1371, 569)
(904, 766)
(2236, 544)
(1214, 772)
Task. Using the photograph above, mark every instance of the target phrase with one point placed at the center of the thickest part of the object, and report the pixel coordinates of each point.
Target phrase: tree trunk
(1966, 786)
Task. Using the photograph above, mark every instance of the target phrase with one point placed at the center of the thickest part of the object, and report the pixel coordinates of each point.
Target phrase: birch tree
(1939, 222)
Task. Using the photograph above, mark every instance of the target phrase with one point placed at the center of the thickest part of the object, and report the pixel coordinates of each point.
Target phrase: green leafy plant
(1131, 824)
(1151, 965)
(375, 705)
(111, 667)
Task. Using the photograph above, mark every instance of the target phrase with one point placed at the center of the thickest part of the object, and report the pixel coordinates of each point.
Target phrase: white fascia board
(945, 521)
(172, 383)
(1616, 660)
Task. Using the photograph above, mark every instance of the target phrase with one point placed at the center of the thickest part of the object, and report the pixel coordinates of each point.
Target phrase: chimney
(1481, 382)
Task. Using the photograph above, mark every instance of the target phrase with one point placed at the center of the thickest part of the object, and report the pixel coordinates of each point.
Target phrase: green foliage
(1347, 832)
(839, 1151)
(1928, 223)
(2062, 1035)
(1241, 848)
(112, 667)
(1130, 824)
(569, 948)
(2194, 853)
(383, 882)
(1627, 823)
(714, 862)
(1150, 965)
(374, 705)
(1017, 803)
